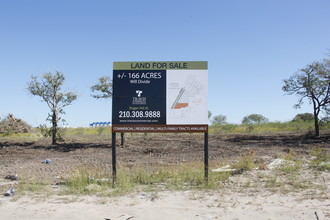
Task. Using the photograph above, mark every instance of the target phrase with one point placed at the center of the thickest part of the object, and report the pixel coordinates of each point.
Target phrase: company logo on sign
(139, 100)
(138, 92)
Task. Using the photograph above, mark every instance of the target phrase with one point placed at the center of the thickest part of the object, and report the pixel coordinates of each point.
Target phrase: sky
(250, 46)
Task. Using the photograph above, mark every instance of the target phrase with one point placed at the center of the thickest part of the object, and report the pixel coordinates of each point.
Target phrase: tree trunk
(54, 129)
(316, 123)
(316, 108)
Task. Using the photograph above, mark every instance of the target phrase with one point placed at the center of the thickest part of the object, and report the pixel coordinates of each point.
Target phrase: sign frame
(144, 90)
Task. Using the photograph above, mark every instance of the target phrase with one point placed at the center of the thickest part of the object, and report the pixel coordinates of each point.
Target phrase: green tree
(304, 117)
(311, 83)
(49, 88)
(103, 89)
(209, 114)
(254, 119)
(219, 120)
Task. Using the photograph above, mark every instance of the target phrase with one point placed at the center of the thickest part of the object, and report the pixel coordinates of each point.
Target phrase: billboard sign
(160, 96)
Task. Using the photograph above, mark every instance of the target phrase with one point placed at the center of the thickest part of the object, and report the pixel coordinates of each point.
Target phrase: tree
(209, 114)
(103, 89)
(304, 117)
(219, 120)
(49, 88)
(254, 119)
(311, 83)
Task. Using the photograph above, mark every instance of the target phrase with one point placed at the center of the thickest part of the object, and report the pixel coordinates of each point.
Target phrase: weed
(297, 183)
(87, 181)
(246, 162)
(272, 182)
(249, 128)
(290, 167)
(32, 185)
(321, 161)
(272, 127)
(79, 131)
(177, 177)
(101, 130)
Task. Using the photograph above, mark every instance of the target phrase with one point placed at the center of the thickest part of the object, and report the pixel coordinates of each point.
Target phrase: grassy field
(266, 128)
(269, 128)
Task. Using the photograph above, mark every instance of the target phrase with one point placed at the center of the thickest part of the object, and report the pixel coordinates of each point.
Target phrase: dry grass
(294, 174)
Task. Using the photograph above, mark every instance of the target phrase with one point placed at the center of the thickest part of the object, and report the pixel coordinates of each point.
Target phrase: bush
(44, 130)
(254, 119)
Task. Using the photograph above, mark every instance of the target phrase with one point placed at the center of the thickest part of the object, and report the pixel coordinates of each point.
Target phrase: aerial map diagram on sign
(160, 96)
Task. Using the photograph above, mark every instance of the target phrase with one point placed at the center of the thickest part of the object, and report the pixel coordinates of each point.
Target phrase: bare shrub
(10, 125)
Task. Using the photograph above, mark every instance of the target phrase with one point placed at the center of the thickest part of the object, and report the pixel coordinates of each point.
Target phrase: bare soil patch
(25, 158)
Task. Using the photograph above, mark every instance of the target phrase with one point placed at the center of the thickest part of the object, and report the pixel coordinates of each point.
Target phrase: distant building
(100, 124)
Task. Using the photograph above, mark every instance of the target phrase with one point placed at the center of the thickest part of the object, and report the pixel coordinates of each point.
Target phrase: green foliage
(48, 131)
(325, 123)
(178, 177)
(89, 180)
(88, 131)
(322, 159)
(103, 89)
(32, 185)
(219, 120)
(290, 167)
(78, 131)
(246, 162)
(101, 130)
(44, 130)
(249, 128)
(303, 117)
(254, 119)
(209, 114)
(272, 127)
(183, 176)
(49, 87)
(227, 128)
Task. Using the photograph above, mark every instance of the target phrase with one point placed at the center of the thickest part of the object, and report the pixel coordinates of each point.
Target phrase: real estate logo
(138, 92)
(139, 100)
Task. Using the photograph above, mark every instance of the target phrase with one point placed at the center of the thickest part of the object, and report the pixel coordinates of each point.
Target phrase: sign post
(114, 159)
(160, 97)
(206, 156)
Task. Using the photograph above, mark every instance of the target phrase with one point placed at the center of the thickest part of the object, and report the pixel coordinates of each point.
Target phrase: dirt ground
(25, 159)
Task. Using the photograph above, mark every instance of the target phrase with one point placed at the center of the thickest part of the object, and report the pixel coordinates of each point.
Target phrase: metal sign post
(114, 159)
(206, 156)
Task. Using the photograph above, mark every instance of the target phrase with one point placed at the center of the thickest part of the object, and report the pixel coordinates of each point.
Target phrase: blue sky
(250, 46)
